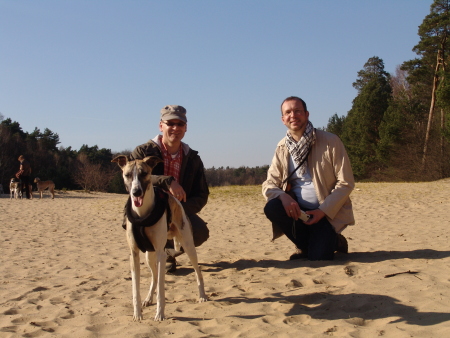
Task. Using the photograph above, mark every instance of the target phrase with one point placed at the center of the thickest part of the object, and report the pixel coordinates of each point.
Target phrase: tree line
(397, 129)
(89, 168)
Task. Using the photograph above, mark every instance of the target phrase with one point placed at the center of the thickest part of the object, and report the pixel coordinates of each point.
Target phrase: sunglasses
(171, 124)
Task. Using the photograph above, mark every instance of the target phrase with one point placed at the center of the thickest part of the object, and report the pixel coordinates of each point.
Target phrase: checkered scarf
(299, 150)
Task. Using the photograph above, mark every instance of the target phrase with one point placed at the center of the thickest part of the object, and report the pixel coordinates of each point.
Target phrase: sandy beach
(65, 270)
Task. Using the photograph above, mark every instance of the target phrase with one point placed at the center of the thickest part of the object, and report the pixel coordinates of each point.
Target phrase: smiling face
(172, 131)
(294, 117)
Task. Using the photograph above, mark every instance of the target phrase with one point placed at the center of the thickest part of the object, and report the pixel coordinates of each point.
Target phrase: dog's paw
(203, 299)
(137, 318)
(146, 303)
(159, 317)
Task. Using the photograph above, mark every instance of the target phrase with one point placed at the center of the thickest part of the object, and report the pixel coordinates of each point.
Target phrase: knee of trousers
(200, 231)
(274, 211)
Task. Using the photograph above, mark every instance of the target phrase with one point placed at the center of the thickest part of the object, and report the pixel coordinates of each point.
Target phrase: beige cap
(173, 112)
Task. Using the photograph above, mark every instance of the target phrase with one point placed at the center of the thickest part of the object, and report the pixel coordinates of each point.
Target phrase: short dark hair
(290, 98)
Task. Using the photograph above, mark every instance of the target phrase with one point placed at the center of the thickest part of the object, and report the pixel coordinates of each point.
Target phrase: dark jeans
(317, 241)
(25, 185)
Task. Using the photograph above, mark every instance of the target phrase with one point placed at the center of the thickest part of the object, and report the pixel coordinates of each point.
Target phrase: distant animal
(42, 185)
(14, 188)
(143, 204)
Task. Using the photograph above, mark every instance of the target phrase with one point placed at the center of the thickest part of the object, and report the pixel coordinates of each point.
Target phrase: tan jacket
(331, 173)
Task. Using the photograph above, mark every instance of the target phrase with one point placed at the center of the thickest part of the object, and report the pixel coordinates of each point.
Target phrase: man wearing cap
(182, 173)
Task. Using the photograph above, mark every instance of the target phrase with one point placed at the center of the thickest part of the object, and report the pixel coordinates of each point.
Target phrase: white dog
(143, 205)
(42, 185)
(14, 188)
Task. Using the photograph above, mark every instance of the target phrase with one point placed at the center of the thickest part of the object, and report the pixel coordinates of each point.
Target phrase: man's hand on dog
(293, 210)
(177, 191)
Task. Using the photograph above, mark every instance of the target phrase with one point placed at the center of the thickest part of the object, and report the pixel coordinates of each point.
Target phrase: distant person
(24, 175)
(182, 173)
(315, 165)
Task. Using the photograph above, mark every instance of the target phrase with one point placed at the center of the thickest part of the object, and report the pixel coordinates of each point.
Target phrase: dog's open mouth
(138, 201)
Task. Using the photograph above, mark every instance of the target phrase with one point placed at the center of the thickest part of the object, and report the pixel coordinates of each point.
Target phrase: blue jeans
(317, 241)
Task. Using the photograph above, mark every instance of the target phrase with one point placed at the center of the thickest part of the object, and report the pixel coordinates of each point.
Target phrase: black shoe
(342, 244)
(171, 264)
(298, 254)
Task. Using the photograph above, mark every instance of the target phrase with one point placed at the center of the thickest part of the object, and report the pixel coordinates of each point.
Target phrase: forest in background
(398, 128)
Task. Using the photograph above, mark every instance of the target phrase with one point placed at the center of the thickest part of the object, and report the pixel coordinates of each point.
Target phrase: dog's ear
(121, 160)
(152, 161)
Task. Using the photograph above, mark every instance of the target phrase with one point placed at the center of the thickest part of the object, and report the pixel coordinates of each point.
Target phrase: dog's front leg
(150, 256)
(135, 281)
(161, 299)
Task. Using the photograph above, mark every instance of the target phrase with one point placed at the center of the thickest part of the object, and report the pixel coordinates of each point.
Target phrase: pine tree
(361, 127)
(429, 73)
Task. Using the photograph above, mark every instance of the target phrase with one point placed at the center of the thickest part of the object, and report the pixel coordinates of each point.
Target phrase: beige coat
(331, 173)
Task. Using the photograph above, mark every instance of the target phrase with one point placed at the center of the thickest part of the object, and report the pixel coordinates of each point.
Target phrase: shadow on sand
(340, 259)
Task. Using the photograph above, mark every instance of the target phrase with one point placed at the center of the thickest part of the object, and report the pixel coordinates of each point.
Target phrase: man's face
(172, 130)
(294, 116)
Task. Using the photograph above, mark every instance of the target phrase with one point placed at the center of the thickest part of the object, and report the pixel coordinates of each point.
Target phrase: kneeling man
(313, 166)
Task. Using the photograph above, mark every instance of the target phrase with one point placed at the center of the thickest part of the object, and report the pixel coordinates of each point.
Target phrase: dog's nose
(137, 192)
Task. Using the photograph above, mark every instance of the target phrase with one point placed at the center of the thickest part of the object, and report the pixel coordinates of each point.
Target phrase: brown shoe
(342, 244)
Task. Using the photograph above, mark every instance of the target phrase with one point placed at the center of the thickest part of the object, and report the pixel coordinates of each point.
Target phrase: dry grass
(236, 193)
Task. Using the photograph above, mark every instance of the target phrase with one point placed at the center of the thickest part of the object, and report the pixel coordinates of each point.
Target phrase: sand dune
(65, 272)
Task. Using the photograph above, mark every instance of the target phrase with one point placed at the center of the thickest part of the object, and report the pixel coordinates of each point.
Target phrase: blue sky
(98, 72)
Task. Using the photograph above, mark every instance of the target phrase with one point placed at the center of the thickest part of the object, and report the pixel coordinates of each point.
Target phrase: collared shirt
(172, 163)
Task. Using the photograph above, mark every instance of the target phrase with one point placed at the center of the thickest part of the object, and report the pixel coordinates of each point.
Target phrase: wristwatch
(170, 180)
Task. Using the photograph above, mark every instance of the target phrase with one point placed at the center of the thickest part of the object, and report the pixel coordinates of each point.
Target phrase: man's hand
(290, 206)
(315, 216)
(177, 191)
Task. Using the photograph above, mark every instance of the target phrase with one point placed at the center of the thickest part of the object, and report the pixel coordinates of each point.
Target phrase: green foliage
(360, 132)
(96, 155)
(13, 127)
(336, 125)
(434, 30)
(116, 185)
(50, 163)
(373, 71)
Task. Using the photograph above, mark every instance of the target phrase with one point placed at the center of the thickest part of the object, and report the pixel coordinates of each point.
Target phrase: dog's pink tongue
(138, 201)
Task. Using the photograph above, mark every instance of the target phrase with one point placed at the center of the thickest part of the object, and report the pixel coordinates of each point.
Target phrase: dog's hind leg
(187, 241)
(151, 262)
(189, 249)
